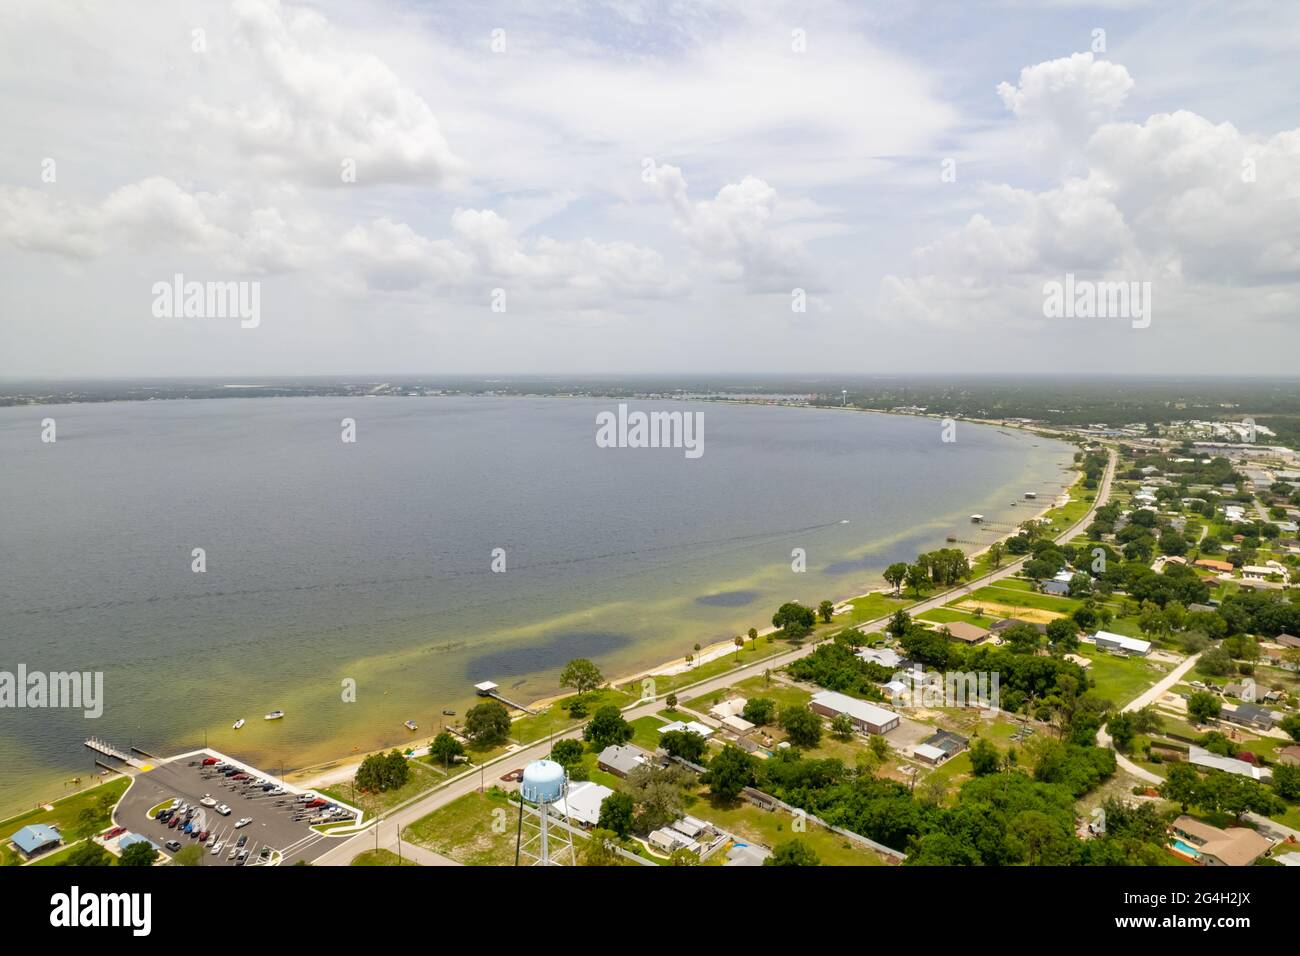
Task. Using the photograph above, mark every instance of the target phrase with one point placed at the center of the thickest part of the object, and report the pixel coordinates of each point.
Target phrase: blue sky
(648, 184)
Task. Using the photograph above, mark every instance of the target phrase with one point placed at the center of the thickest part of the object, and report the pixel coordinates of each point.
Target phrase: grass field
(946, 615)
(772, 827)
(555, 718)
(1120, 679)
(422, 778)
(996, 594)
(869, 608)
(65, 815)
(380, 858)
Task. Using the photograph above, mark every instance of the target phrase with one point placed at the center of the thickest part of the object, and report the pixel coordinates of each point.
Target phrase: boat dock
(108, 750)
(488, 689)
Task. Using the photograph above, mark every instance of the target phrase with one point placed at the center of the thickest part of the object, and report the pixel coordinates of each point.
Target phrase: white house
(582, 804)
(1106, 641)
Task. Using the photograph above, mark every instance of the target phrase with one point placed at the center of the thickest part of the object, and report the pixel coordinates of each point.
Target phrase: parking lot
(279, 822)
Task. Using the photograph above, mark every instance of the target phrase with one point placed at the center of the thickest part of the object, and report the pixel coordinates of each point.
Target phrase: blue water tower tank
(543, 782)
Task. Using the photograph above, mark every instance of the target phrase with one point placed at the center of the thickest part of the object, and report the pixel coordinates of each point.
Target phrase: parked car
(223, 809)
(241, 841)
(243, 822)
(203, 836)
(173, 845)
(173, 823)
(209, 761)
(216, 850)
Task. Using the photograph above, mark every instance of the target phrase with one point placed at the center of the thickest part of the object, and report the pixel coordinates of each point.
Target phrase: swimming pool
(1186, 849)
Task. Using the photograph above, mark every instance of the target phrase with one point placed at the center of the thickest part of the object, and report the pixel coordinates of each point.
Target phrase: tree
(842, 727)
(1202, 705)
(794, 620)
(138, 854)
(759, 710)
(896, 573)
(984, 758)
(607, 728)
(445, 748)
(599, 850)
(1286, 781)
(753, 635)
(567, 752)
(792, 853)
(671, 701)
(488, 723)
(802, 727)
(1291, 725)
(382, 772)
(684, 744)
(191, 855)
(918, 578)
(826, 610)
(88, 853)
(1121, 731)
(739, 641)
(995, 554)
(616, 814)
(1063, 633)
(730, 771)
(582, 675)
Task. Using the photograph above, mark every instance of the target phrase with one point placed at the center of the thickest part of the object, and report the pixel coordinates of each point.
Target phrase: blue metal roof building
(36, 837)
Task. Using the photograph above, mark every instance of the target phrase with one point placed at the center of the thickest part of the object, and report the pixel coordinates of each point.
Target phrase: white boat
(274, 715)
(411, 725)
(239, 723)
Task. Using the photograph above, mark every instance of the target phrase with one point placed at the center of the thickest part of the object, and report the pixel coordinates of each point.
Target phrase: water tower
(544, 784)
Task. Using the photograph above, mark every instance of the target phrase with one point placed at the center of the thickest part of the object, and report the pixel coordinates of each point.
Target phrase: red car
(209, 761)
(513, 775)
(240, 776)
(171, 824)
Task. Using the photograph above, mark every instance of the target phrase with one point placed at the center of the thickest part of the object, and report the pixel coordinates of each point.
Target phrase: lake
(371, 561)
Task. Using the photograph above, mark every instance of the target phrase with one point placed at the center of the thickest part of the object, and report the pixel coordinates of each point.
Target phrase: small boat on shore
(239, 723)
(410, 725)
(274, 715)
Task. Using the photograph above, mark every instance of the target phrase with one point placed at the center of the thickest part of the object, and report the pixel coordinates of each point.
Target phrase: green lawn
(995, 594)
(555, 718)
(783, 695)
(65, 815)
(869, 607)
(767, 647)
(772, 827)
(645, 732)
(380, 858)
(1120, 679)
(422, 778)
(946, 615)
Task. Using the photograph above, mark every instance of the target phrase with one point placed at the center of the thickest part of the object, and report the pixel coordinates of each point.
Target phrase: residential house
(1121, 644)
(621, 759)
(1058, 588)
(746, 854)
(582, 802)
(1235, 846)
(939, 747)
(966, 632)
(1249, 715)
(1210, 564)
(690, 726)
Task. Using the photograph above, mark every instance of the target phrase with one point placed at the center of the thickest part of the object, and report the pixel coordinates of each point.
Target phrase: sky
(736, 187)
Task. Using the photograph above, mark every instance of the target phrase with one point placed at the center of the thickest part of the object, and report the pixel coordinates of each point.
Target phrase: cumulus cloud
(485, 251)
(739, 234)
(320, 104)
(1177, 200)
(154, 213)
(1062, 101)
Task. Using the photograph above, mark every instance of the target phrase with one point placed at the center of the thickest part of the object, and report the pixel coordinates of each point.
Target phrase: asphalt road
(345, 849)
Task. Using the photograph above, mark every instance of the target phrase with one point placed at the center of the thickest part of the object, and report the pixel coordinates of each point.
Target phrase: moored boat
(239, 723)
(274, 715)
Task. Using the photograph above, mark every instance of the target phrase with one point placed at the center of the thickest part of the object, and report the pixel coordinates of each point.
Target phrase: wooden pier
(489, 689)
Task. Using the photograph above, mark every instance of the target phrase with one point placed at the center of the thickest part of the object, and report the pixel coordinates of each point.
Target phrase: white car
(223, 809)
(217, 848)
(207, 800)
(243, 822)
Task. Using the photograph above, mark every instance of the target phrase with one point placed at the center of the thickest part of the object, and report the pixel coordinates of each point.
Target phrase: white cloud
(1062, 101)
(320, 103)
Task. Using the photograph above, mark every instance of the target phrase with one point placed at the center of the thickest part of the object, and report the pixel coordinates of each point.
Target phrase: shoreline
(339, 763)
(312, 775)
